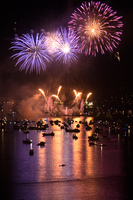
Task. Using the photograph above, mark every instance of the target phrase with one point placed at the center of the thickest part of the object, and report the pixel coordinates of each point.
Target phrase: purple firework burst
(98, 27)
(67, 48)
(31, 53)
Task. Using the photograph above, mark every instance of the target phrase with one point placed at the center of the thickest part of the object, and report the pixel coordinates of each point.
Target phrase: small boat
(88, 128)
(62, 127)
(27, 141)
(57, 122)
(76, 130)
(62, 165)
(48, 134)
(72, 130)
(94, 137)
(78, 126)
(41, 143)
(26, 131)
(91, 122)
(51, 122)
(75, 136)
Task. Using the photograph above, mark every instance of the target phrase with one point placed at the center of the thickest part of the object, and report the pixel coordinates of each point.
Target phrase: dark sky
(99, 74)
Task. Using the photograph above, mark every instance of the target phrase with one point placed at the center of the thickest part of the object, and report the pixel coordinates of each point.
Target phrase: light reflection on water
(82, 162)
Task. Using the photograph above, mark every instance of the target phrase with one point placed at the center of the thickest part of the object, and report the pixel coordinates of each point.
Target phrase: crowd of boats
(112, 128)
(44, 125)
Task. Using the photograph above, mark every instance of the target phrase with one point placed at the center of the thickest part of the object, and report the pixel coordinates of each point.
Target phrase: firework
(56, 97)
(66, 46)
(52, 42)
(76, 95)
(31, 53)
(59, 89)
(43, 93)
(75, 92)
(98, 27)
(88, 95)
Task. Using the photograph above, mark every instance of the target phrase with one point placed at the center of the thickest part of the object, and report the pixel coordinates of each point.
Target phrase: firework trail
(88, 95)
(53, 95)
(76, 95)
(31, 53)
(67, 45)
(98, 27)
(56, 96)
(43, 93)
(59, 89)
(75, 92)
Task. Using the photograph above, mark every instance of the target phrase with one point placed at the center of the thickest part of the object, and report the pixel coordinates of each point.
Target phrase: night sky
(100, 74)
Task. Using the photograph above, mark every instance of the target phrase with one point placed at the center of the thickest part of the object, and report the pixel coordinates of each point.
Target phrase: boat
(51, 122)
(27, 141)
(94, 137)
(57, 122)
(41, 143)
(31, 151)
(63, 165)
(88, 128)
(91, 122)
(75, 136)
(48, 134)
(26, 131)
(78, 126)
(72, 130)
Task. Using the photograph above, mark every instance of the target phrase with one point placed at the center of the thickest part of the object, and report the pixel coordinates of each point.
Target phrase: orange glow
(92, 29)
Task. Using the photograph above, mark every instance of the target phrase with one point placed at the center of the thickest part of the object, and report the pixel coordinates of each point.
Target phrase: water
(90, 172)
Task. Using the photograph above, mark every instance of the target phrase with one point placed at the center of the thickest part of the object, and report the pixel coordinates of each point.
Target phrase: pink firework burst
(98, 27)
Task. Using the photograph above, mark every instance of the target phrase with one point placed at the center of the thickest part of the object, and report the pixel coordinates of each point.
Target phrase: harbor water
(64, 168)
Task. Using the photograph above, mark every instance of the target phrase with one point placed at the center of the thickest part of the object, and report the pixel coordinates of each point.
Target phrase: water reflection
(82, 161)
(62, 149)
